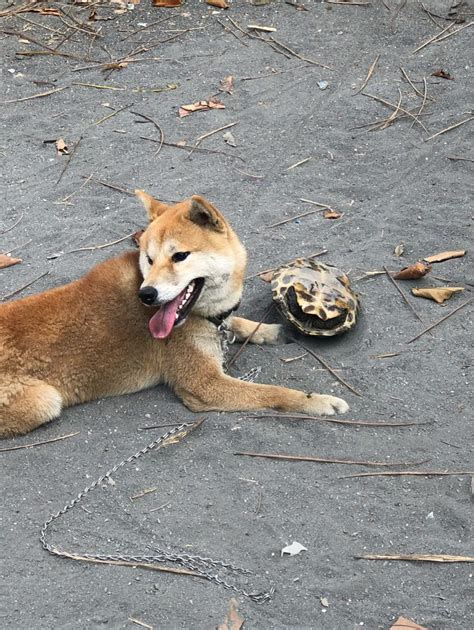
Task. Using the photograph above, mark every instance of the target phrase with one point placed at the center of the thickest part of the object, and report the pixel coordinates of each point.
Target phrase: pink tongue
(162, 322)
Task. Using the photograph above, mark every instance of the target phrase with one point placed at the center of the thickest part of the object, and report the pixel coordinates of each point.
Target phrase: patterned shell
(314, 297)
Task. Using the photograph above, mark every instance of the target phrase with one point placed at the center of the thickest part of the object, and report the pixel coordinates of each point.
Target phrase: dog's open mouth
(174, 313)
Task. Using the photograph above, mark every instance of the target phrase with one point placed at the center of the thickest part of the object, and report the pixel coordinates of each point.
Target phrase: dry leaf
(61, 147)
(324, 602)
(402, 623)
(442, 74)
(166, 3)
(438, 294)
(413, 272)
(442, 256)
(233, 621)
(220, 4)
(332, 214)
(136, 237)
(399, 250)
(229, 139)
(200, 106)
(294, 549)
(227, 84)
(8, 261)
(266, 276)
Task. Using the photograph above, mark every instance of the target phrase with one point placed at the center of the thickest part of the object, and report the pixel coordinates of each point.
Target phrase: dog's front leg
(203, 386)
(266, 333)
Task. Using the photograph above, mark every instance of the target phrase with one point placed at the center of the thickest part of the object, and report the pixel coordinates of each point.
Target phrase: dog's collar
(218, 319)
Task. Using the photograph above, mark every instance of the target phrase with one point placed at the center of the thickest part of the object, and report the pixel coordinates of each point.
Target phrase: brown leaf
(166, 3)
(332, 214)
(442, 256)
(399, 250)
(61, 147)
(220, 4)
(402, 623)
(266, 276)
(136, 237)
(233, 620)
(438, 294)
(200, 106)
(442, 74)
(8, 261)
(227, 84)
(413, 272)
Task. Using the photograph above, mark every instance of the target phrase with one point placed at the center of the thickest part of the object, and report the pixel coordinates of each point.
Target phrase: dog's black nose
(148, 295)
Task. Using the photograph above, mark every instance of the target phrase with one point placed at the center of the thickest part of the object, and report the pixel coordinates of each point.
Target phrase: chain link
(205, 567)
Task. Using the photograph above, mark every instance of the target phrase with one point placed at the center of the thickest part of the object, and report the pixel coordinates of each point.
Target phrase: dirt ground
(392, 186)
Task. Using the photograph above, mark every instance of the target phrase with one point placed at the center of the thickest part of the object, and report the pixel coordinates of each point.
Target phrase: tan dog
(138, 320)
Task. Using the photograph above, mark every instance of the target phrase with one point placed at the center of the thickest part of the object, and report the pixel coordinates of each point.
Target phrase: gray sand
(391, 185)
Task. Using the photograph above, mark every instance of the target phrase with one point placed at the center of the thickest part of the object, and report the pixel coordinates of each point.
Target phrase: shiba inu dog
(137, 320)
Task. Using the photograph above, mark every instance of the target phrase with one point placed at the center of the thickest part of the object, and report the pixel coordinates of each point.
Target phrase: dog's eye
(149, 260)
(179, 256)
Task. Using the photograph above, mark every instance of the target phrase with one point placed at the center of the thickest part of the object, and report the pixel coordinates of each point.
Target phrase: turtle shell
(314, 297)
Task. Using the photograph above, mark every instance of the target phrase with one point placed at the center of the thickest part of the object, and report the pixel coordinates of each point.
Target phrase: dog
(146, 317)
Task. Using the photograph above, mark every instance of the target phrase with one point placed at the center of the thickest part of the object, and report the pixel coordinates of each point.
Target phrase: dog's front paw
(269, 334)
(326, 405)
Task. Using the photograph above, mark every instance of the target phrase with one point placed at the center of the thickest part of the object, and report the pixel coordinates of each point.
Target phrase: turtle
(315, 297)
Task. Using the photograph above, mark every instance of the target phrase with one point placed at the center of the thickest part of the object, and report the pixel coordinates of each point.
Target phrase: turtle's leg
(267, 333)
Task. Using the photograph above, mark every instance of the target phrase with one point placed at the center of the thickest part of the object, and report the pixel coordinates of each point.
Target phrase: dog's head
(191, 260)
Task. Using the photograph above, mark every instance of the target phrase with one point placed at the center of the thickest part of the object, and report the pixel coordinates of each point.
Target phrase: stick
(295, 54)
(263, 176)
(405, 299)
(159, 426)
(415, 89)
(56, 439)
(92, 248)
(14, 225)
(321, 460)
(207, 135)
(458, 158)
(112, 186)
(425, 96)
(412, 473)
(143, 493)
(259, 273)
(441, 320)
(417, 557)
(369, 74)
(188, 148)
(454, 32)
(299, 163)
(140, 623)
(432, 39)
(297, 216)
(69, 160)
(316, 203)
(362, 423)
(29, 98)
(328, 367)
(157, 126)
(458, 124)
(22, 35)
(405, 111)
(114, 113)
(25, 286)
(234, 358)
(394, 114)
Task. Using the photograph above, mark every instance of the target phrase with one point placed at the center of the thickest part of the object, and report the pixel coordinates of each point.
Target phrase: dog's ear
(205, 214)
(154, 207)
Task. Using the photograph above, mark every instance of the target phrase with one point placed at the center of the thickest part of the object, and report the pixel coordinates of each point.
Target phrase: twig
(23, 35)
(295, 54)
(415, 89)
(112, 186)
(297, 216)
(458, 158)
(432, 39)
(14, 249)
(188, 148)
(103, 246)
(114, 113)
(235, 356)
(413, 473)
(417, 557)
(361, 423)
(159, 426)
(259, 273)
(441, 320)
(140, 623)
(157, 126)
(260, 176)
(431, 15)
(229, 30)
(68, 160)
(299, 163)
(369, 75)
(423, 103)
(160, 507)
(97, 86)
(14, 225)
(143, 28)
(25, 286)
(29, 98)
(316, 203)
(458, 124)
(207, 135)
(17, 448)
(405, 111)
(323, 460)
(66, 199)
(405, 299)
(394, 114)
(143, 493)
(455, 32)
(328, 367)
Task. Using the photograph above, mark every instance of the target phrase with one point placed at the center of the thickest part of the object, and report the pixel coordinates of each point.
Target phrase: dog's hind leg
(266, 333)
(26, 406)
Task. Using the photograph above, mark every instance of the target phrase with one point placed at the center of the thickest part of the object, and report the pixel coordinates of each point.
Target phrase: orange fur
(90, 338)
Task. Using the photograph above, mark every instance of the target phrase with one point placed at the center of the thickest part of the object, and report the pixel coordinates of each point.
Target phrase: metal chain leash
(201, 565)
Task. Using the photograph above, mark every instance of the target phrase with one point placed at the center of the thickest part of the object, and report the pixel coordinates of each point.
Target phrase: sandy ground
(392, 186)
